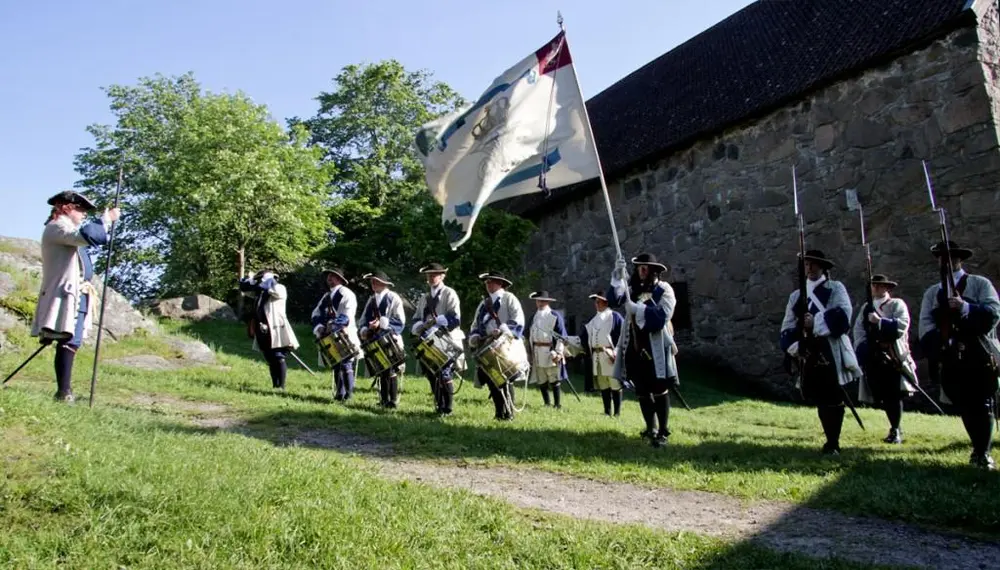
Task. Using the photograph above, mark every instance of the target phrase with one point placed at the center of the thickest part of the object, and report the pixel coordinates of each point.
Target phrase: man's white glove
(505, 330)
(474, 341)
(383, 323)
(318, 330)
(794, 349)
(441, 320)
(417, 328)
(631, 307)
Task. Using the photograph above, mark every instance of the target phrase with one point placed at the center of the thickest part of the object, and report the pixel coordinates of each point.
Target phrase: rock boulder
(193, 307)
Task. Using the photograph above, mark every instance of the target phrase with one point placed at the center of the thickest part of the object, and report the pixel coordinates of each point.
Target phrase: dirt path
(784, 527)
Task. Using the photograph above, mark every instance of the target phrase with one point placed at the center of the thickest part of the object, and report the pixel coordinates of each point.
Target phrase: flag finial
(559, 19)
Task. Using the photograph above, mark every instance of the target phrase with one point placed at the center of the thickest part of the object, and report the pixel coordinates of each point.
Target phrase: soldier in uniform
(272, 333)
(958, 333)
(335, 312)
(502, 316)
(598, 339)
(830, 361)
(66, 299)
(383, 315)
(440, 307)
(547, 348)
(644, 355)
(880, 341)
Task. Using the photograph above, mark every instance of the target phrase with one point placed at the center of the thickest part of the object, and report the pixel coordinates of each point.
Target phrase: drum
(436, 350)
(336, 348)
(503, 359)
(382, 354)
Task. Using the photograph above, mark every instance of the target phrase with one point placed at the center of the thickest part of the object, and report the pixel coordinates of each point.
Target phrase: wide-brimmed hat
(378, 276)
(648, 259)
(71, 197)
(880, 279)
(434, 268)
(817, 256)
(495, 276)
(257, 276)
(598, 295)
(542, 295)
(953, 248)
(335, 271)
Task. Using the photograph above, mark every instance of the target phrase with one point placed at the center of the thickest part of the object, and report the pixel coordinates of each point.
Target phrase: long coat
(981, 319)
(830, 306)
(508, 309)
(445, 305)
(543, 324)
(894, 326)
(274, 296)
(64, 278)
(652, 316)
(339, 305)
(390, 316)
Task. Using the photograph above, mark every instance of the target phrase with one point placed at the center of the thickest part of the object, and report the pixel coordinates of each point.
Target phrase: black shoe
(983, 461)
(339, 398)
(895, 436)
(646, 434)
(68, 398)
(660, 440)
(831, 449)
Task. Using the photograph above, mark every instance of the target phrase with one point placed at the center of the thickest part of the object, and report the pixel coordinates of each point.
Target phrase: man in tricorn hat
(830, 361)
(958, 333)
(880, 340)
(272, 332)
(547, 349)
(335, 312)
(598, 339)
(644, 355)
(66, 298)
(501, 317)
(383, 315)
(440, 307)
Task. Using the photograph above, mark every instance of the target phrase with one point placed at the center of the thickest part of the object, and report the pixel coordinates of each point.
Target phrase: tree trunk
(241, 261)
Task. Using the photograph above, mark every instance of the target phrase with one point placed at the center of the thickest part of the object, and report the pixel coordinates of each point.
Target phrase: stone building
(698, 148)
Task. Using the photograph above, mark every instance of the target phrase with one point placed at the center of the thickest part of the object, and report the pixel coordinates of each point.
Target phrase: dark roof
(758, 59)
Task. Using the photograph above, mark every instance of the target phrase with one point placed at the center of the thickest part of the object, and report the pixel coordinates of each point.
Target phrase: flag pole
(590, 133)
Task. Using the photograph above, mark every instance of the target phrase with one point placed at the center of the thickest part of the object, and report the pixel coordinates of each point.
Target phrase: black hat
(879, 279)
(378, 276)
(257, 276)
(335, 271)
(434, 268)
(598, 295)
(541, 296)
(648, 259)
(956, 252)
(818, 257)
(71, 197)
(495, 276)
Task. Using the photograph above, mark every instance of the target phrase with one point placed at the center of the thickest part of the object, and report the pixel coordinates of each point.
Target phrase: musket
(104, 291)
(889, 347)
(947, 268)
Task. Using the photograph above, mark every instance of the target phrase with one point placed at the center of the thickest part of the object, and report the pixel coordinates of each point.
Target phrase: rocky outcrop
(194, 308)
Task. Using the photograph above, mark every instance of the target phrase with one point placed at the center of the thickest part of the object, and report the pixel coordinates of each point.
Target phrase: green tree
(215, 186)
(383, 215)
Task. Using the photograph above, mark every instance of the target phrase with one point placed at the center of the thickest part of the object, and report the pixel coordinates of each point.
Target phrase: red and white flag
(529, 121)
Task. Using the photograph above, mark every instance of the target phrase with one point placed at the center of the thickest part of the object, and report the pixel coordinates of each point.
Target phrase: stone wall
(720, 212)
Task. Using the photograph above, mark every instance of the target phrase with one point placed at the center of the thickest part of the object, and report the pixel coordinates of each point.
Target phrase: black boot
(832, 419)
(447, 397)
(978, 422)
(606, 398)
(393, 391)
(383, 391)
(497, 398)
(616, 400)
(65, 355)
(280, 372)
(544, 389)
(661, 407)
(646, 406)
(557, 395)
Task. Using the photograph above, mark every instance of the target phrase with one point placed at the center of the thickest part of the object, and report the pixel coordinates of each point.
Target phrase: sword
(850, 404)
(681, 398)
(299, 360)
(25, 363)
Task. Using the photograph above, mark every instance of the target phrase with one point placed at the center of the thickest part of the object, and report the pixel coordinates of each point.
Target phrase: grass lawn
(121, 486)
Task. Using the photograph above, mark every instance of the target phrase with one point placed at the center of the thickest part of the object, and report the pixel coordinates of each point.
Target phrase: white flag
(493, 149)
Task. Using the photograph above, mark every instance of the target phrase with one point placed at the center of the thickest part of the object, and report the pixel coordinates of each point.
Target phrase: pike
(947, 268)
(803, 304)
(890, 348)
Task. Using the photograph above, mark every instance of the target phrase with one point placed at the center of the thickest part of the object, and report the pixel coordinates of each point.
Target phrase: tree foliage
(383, 215)
(214, 186)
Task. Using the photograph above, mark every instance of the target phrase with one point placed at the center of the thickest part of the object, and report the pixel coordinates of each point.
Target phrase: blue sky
(55, 56)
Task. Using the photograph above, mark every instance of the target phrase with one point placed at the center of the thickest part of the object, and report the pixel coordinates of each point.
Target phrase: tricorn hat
(335, 271)
(648, 259)
(598, 295)
(71, 197)
(542, 295)
(434, 268)
(880, 279)
(378, 276)
(495, 276)
(953, 248)
(818, 257)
